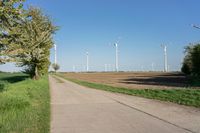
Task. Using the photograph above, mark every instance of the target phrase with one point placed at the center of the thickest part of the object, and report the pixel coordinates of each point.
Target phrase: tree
(25, 37)
(186, 68)
(196, 60)
(187, 63)
(191, 63)
(35, 41)
(11, 15)
(55, 67)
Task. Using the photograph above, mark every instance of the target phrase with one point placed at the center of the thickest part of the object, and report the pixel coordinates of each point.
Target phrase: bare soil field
(135, 80)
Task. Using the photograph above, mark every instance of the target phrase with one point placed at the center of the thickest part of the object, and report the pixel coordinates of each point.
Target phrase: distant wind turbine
(74, 68)
(106, 68)
(152, 66)
(165, 58)
(55, 52)
(87, 61)
(116, 57)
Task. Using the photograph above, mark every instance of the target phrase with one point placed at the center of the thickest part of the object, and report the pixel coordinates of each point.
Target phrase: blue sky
(141, 25)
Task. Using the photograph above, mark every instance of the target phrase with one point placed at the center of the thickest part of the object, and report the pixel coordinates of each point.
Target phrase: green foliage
(55, 67)
(186, 68)
(3, 86)
(35, 43)
(11, 15)
(196, 60)
(191, 64)
(24, 106)
(25, 37)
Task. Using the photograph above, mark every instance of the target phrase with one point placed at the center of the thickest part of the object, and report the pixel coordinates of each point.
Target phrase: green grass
(189, 97)
(24, 104)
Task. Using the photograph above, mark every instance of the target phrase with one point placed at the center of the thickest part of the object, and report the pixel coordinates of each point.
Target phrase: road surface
(77, 109)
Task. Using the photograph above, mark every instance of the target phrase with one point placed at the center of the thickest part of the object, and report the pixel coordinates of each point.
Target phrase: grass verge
(189, 97)
(24, 104)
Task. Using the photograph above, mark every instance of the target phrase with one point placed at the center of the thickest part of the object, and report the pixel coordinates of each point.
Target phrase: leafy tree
(35, 41)
(56, 67)
(11, 15)
(187, 63)
(25, 37)
(196, 60)
(191, 64)
(186, 68)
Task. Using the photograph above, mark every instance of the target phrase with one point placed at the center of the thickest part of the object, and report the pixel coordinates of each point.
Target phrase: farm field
(135, 80)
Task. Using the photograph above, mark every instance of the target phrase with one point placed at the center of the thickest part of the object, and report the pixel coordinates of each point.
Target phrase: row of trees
(25, 37)
(191, 63)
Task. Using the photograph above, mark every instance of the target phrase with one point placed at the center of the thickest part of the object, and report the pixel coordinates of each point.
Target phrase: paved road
(77, 109)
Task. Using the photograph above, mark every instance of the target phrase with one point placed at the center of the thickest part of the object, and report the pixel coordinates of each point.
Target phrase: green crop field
(24, 104)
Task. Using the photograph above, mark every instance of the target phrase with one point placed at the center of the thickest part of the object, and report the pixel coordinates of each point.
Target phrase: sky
(139, 26)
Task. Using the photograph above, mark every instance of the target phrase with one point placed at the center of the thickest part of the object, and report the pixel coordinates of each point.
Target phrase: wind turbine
(152, 66)
(116, 57)
(87, 61)
(116, 45)
(165, 58)
(55, 52)
(74, 68)
(106, 67)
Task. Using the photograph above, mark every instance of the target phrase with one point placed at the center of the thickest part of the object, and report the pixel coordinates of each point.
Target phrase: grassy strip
(24, 105)
(189, 97)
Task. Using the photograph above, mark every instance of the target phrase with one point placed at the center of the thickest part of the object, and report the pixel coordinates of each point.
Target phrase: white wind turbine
(116, 45)
(87, 61)
(55, 52)
(165, 58)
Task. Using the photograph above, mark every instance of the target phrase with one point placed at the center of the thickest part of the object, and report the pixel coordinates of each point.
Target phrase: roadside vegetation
(184, 96)
(24, 104)
(56, 67)
(191, 63)
(26, 37)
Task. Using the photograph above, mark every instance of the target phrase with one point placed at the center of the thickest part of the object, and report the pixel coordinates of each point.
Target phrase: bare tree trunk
(36, 75)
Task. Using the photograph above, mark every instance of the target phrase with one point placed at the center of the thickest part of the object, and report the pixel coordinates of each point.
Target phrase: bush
(191, 64)
(3, 85)
(186, 69)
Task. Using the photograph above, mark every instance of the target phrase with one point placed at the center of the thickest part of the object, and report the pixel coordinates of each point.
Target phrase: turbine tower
(74, 68)
(87, 61)
(105, 68)
(152, 67)
(116, 57)
(55, 52)
(165, 58)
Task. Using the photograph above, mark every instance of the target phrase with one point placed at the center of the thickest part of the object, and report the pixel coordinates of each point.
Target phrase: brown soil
(135, 80)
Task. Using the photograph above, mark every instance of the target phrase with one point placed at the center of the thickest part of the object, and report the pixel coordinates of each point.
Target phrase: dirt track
(135, 80)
